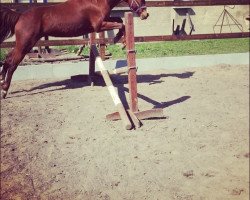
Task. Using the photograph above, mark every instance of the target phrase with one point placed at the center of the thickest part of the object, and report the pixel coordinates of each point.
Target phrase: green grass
(173, 48)
(182, 48)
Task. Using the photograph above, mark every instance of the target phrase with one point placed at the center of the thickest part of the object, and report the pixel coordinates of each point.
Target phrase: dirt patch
(56, 143)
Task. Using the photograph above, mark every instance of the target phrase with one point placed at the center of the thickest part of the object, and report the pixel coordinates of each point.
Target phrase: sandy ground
(56, 143)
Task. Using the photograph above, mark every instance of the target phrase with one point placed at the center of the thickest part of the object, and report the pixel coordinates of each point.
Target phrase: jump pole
(118, 104)
(102, 45)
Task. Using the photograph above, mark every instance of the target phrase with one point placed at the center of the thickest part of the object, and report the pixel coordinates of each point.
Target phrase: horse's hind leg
(13, 60)
(10, 66)
(4, 69)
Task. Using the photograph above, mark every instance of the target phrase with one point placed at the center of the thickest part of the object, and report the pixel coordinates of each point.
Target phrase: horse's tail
(8, 20)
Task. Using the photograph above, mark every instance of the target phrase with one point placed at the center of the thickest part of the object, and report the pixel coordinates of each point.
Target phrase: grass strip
(170, 48)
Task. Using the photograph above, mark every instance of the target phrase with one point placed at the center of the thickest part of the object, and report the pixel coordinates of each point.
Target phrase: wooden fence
(121, 6)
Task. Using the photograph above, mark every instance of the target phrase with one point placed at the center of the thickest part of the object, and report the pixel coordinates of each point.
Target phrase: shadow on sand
(118, 81)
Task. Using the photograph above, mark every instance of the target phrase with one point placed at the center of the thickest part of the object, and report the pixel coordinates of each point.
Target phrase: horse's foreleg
(112, 23)
(121, 31)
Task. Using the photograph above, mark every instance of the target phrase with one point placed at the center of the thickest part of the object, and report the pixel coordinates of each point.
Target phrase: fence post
(102, 45)
(130, 47)
(91, 59)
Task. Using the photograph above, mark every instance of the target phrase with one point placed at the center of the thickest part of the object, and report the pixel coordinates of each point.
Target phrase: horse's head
(139, 7)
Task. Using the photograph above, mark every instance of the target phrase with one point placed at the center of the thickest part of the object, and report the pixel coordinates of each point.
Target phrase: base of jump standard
(131, 117)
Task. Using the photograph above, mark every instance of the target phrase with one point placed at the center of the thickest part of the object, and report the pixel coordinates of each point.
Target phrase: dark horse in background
(69, 19)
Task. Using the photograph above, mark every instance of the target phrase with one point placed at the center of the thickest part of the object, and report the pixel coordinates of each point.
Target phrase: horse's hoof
(116, 40)
(1, 78)
(3, 94)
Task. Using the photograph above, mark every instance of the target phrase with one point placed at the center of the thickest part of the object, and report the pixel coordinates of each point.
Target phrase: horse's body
(69, 19)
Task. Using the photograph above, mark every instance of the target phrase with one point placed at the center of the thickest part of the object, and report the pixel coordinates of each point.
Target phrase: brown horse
(69, 19)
